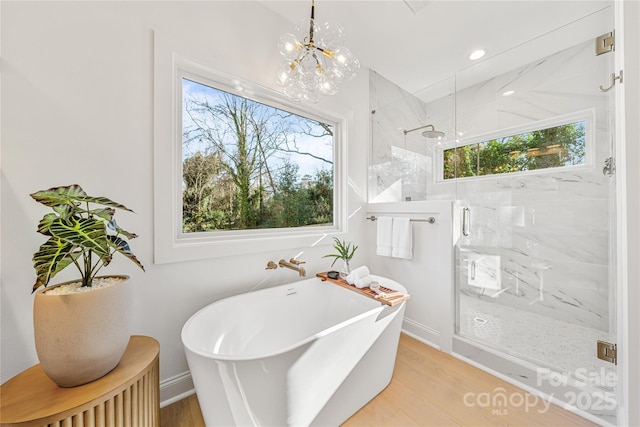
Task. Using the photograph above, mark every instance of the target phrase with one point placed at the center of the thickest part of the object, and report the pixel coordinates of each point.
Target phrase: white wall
(632, 107)
(428, 275)
(77, 107)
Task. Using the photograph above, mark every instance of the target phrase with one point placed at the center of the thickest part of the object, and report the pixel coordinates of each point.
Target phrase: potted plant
(81, 327)
(345, 252)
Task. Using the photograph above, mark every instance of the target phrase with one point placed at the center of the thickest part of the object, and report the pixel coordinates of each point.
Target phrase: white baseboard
(421, 332)
(176, 388)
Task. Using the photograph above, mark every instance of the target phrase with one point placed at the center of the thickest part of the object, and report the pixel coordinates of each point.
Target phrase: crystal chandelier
(316, 61)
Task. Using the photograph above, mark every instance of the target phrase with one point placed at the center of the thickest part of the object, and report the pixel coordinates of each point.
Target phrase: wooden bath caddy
(392, 298)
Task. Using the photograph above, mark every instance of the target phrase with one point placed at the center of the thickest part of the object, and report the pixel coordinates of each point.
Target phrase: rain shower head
(433, 133)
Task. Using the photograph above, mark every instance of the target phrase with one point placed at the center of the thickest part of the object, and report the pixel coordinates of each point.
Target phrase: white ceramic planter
(81, 337)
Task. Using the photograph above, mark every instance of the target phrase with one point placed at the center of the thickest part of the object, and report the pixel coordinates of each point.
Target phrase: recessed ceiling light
(477, 54)
(509, 93)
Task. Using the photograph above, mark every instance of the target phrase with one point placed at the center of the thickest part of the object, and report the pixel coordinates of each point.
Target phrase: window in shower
(560, 143)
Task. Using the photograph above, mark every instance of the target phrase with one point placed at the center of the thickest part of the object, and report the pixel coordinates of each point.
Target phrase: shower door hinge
(605, 43)
(609, 168)
(608, 352)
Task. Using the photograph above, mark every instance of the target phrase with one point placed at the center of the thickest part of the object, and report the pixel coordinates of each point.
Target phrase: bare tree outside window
(248, 165)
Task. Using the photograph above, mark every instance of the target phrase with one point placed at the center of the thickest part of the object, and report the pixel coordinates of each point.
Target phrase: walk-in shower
(526, 153)
(535, 260)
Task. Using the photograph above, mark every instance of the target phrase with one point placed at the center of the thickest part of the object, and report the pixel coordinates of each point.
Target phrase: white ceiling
(418, 49)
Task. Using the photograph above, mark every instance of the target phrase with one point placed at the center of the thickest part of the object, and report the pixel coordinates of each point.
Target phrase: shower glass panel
(535, 261)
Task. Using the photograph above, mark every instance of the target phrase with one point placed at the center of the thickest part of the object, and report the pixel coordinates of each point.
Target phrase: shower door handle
(466, 221)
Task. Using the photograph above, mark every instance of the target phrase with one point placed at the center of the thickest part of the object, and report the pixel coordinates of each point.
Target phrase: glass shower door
(535, 261)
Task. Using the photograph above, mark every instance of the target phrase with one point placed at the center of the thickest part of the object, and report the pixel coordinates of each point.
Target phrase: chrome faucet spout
(286, 264)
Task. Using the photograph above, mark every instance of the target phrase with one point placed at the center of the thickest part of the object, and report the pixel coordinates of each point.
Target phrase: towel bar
(430, 220)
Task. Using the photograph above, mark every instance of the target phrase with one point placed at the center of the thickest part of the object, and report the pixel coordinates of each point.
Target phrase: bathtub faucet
(294, 265)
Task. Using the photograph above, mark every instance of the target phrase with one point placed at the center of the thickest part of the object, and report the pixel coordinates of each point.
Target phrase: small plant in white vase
(344, 252)
(81, 327)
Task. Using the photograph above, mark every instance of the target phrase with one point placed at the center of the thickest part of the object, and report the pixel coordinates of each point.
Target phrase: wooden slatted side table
(129, 395)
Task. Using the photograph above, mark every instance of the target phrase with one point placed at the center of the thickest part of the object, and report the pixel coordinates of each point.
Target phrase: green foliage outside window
(247, 165)
(546, 148)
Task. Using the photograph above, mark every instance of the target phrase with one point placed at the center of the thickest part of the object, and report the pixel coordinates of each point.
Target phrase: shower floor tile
(561, 346)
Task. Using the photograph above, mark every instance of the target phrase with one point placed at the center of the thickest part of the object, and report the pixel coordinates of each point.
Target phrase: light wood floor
(428, 389)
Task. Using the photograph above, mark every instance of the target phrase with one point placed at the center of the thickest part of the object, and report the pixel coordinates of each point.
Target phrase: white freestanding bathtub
(306, 353)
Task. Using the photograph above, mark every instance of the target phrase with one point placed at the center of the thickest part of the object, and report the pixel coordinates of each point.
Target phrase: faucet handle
(271, 265)
(296, 262)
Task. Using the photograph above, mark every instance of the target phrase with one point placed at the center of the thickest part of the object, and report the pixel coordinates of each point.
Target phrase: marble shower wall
(550, 229)
(401, 165)
(540, 239)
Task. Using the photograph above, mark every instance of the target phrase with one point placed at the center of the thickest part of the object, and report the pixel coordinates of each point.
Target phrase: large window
(238, 169)
(247, 165)
(556, 145)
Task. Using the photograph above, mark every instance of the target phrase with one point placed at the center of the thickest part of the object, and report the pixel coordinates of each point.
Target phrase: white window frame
(170, 243)
(588, 116)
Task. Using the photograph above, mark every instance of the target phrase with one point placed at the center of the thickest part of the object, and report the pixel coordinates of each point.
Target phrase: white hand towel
(357, 273)
(401, 241)
(383, 237)
(363, 282)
